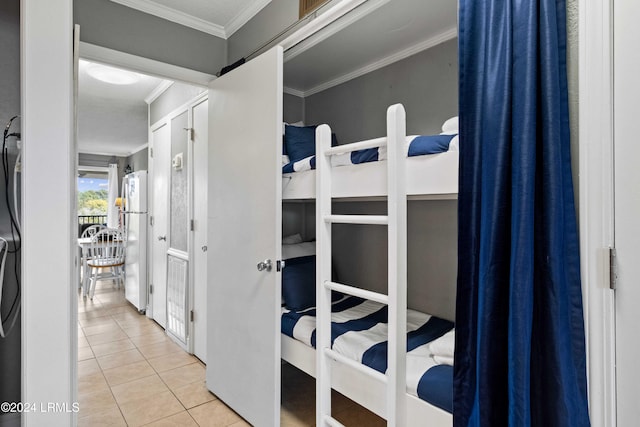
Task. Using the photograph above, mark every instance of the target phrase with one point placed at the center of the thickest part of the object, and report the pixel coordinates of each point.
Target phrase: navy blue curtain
(520, 351)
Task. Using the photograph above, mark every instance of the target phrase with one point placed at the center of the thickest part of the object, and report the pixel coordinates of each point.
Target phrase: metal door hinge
(151, 152)
(150, 288)
(190, 133)
(279, 265)
(613, 268)
(608, 267)
(191, 315)
(151, 221)
(192, 225)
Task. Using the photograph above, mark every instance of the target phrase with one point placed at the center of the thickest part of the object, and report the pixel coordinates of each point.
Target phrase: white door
(200, 160)
(160, 163)
(627, 208)
(244, 228)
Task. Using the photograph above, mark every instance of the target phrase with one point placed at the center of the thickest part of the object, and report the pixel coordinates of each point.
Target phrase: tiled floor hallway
(131, 373)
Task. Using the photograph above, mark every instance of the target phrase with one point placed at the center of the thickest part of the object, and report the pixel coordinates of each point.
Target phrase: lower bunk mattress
(359, 331)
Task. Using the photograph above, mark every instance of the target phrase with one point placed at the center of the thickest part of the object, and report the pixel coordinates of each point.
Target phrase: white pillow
(298, 249)
(285, 160)
(454, 145)
(297, 124)
(450, 127)
(293, 239)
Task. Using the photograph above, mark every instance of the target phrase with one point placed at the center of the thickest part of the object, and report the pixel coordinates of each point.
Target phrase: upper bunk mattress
(431, 170)
(359, 331)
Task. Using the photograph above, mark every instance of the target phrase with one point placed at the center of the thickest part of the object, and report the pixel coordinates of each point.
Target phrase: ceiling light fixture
(112, 75)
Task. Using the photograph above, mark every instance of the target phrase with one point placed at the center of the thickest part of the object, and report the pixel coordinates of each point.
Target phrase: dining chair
(91, 230)
(106, 251)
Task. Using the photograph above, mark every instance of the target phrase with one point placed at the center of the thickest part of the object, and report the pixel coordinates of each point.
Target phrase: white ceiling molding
(245, 16)
(397, 56)
(138, 149)
(139, 64)
(294, 92)
(176, 16)
(342, 21)
(111, 153)
(159, 90)
(324, 19)
(104, 153)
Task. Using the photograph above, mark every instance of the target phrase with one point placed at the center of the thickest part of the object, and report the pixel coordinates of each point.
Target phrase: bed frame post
(397, 253)
(323, 273)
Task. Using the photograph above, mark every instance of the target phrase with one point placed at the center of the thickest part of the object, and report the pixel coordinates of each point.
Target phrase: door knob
(265, 265)
(162, 238)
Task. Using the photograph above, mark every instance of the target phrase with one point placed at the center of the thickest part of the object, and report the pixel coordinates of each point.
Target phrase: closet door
(200, 249)
(160, 163)
(244, 228)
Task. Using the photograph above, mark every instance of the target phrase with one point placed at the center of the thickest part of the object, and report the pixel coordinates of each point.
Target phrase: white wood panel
(49, 309)
(627, 206)
(200, 161)
(244, 228)
(161, 161)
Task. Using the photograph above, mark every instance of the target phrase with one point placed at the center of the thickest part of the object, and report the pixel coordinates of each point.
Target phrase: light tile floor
(131, 374)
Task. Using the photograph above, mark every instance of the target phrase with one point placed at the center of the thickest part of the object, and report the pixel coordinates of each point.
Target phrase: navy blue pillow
(429, 144)
(299, 283)
(300, 142)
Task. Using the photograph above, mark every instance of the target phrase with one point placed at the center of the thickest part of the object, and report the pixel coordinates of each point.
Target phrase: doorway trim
(596, 206)
(107, 56)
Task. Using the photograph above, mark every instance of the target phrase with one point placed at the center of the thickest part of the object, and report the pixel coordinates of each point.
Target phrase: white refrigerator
(134, 193)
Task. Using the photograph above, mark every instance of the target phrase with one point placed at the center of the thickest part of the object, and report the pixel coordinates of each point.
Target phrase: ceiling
(112, 119)
(393, 31)
(220, 18)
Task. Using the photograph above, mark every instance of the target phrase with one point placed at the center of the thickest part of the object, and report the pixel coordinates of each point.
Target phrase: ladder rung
(357, 292)
(355, 365)
(358, 219)
(331, 421)
(355, 146)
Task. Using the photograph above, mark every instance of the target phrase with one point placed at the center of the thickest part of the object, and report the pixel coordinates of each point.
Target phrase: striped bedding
(417, 145)
(359, 331)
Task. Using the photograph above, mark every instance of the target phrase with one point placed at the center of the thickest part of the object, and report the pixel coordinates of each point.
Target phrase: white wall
(49, 325)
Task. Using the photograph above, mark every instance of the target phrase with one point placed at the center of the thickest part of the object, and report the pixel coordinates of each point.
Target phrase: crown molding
(176, 16)
(104, 153)
(395, 57)
(244, 16)
(294, 92)
(159, 90)
(138, 149)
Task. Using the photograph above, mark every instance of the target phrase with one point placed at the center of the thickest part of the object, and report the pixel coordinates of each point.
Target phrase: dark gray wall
(138, 161)
(268, 23)
(293, 108)
(108, 24)
(360, 251)
(425, 83)
(10, 364)
(172, 98)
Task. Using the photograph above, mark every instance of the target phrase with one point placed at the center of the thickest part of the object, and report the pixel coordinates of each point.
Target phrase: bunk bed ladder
(396, 297)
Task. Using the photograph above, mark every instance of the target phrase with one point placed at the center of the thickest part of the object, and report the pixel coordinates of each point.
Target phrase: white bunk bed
(429, 176)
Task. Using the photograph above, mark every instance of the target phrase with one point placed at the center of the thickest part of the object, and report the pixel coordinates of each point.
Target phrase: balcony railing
(85, 221)
(92, 219)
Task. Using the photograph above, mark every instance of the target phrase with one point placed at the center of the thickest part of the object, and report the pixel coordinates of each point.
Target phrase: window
(307, 6)
(93, 190)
